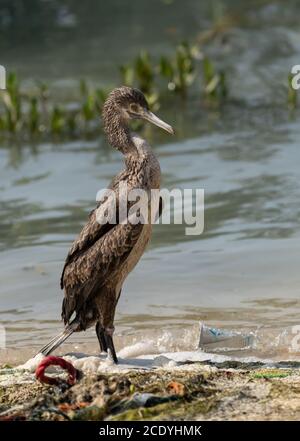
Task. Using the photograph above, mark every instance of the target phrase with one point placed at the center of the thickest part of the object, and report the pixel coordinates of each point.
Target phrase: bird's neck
(118, 133)
(135, 149)
(142, 156)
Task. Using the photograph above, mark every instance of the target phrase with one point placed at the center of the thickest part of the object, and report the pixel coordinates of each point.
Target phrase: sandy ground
(189, 391)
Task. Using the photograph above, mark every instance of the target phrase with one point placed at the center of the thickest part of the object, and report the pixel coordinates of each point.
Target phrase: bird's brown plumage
(93, 264)
(104, 254)
(95, 261)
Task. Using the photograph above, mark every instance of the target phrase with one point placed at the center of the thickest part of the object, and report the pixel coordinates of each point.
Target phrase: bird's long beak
(149, 116)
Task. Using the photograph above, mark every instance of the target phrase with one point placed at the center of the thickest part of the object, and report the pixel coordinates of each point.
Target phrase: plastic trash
(51, 360)
(223, 339)
(142, 400)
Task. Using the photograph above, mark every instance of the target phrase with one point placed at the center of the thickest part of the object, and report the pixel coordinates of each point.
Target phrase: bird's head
(128, 103)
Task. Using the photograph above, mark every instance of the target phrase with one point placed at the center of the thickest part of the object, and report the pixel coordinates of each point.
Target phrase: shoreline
(191, 391)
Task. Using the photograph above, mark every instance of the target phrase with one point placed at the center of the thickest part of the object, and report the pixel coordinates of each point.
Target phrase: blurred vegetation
(34, 113)
(188, 72)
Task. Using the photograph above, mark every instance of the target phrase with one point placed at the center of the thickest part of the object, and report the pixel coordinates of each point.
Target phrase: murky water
(242, 273)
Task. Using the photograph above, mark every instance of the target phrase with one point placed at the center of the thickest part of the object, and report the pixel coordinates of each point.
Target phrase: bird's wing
(91, 232)
(99, 250)
(98, 263)
(94, 228)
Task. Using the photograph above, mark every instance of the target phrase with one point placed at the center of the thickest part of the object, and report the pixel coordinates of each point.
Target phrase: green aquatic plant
(12, 104)
(71, 122)
(215, 87)
(43, 98)
(179, 70)
(127, 74)
(88, 107)
(34, 115)
(144, 72)
(141, 74)
(88, 102)
(92, 104)
(100, 97)
(166, 69)
(2, 124)
(57, 120)
(292, 93)
(185, 67)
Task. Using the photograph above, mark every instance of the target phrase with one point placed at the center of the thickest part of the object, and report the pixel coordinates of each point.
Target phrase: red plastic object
(56, 361)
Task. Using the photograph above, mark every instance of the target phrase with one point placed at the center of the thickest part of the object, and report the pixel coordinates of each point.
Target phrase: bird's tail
(59, 339)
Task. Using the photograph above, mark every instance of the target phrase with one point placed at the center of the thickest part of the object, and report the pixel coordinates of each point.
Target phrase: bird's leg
(106, 308)
(101, 337)
(108, 334)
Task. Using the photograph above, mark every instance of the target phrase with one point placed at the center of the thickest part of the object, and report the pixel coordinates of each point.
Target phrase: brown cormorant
(104, 254)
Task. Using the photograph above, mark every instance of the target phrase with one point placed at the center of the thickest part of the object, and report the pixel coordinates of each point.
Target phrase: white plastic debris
(223, 339)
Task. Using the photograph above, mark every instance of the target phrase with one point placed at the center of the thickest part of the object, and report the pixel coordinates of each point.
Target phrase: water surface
(243, 272)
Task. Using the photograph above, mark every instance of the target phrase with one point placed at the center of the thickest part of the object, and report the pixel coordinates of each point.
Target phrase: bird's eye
(133, 108)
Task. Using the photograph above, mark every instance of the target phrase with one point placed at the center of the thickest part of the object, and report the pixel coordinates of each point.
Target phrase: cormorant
(104, 254)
